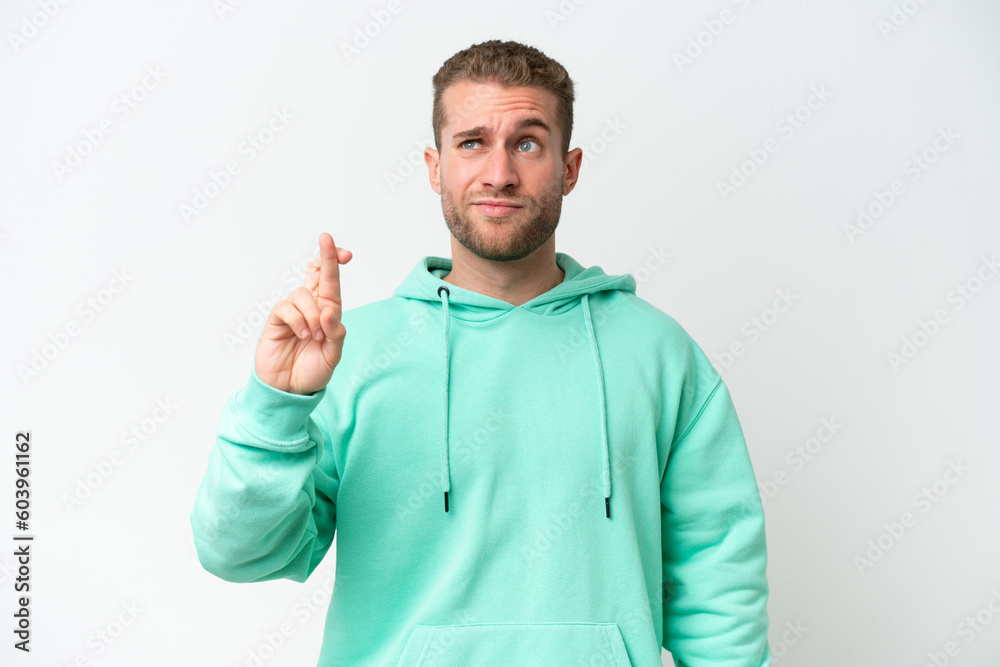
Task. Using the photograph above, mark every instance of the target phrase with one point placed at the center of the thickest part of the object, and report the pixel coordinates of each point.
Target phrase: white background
(182, 326)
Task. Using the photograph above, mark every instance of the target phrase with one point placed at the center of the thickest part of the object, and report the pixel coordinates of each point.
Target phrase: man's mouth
(496, 208)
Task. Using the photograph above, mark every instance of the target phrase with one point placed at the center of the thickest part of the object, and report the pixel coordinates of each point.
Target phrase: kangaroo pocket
(529, 644)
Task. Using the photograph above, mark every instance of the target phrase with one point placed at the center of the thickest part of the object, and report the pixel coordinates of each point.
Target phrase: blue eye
(520, 145)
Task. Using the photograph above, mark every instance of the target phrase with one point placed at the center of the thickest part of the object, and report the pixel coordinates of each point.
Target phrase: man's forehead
(478, 103)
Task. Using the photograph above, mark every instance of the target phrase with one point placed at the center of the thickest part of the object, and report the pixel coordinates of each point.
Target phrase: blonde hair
(506, 63)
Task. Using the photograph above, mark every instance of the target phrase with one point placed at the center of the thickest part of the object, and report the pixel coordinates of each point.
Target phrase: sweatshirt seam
(701, 410)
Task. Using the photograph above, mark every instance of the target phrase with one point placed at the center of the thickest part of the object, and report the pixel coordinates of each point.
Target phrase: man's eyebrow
(481, 130)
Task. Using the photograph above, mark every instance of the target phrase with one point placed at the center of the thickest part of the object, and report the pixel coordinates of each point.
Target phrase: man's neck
(515, 282)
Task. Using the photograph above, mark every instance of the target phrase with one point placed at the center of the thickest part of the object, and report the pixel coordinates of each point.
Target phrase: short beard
(508, 240)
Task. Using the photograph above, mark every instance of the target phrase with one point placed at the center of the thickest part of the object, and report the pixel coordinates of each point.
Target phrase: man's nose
(498, 170)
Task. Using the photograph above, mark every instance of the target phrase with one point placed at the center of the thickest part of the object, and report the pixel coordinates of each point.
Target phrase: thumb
(328, 321)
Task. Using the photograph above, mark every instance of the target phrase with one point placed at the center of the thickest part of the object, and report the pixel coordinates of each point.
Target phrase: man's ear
(432, 159)
(571, 169)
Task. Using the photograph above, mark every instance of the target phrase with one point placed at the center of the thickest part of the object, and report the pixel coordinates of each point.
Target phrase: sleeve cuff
(275, 417)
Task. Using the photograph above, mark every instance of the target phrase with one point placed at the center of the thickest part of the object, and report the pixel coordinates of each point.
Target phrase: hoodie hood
(425, 283)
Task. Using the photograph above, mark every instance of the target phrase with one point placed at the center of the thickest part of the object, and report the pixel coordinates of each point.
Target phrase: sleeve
(714, 550)
(266, 507)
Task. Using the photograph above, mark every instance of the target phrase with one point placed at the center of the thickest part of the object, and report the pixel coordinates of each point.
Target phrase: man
(524, 462)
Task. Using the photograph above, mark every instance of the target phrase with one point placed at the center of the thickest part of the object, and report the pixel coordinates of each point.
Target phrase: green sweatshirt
(563, 482)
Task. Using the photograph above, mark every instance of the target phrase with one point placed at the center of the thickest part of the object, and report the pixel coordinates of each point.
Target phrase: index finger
(329, 274)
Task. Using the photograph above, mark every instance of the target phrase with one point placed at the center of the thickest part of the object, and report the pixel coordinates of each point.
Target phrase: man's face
(500, 171)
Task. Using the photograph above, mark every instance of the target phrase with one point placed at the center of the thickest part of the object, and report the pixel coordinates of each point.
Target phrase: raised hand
(303, 337)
